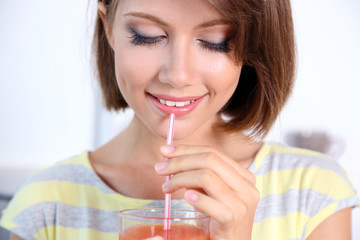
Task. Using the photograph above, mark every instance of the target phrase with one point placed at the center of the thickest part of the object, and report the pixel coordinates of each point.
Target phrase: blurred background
(50, 105)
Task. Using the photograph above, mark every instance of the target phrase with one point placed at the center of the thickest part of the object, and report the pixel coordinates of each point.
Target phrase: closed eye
(140, 39)
(217, 47)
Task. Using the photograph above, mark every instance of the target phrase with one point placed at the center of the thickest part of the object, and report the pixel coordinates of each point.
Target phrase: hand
(215, 185)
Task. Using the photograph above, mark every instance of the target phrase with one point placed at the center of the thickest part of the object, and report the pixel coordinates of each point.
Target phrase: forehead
(171, 10)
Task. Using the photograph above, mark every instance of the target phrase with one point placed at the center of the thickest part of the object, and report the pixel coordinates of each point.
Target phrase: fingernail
(161, 166)
(166, 149)
(165, 186)
(191, 196)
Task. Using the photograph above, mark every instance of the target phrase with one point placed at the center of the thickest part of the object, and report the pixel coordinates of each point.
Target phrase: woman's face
(176, 57)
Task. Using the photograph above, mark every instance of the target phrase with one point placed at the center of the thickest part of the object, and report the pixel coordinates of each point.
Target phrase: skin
(202, 156)
(209, 167)
(166, 67)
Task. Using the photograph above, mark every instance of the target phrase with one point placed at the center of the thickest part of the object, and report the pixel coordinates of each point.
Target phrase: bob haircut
(263, 43)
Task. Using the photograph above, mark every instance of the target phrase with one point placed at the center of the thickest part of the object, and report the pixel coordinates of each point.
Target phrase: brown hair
(264, 44)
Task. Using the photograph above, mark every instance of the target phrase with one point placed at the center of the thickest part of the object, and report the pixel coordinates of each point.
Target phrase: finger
(171, 151)
(212, 185)
(218, 211)
(209, 161)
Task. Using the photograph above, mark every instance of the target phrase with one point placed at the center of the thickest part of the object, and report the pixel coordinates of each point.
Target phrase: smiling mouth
(175, 103)
(179, 106)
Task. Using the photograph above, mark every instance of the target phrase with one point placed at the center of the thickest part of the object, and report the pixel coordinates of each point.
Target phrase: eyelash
(217, 47)
(141, 40)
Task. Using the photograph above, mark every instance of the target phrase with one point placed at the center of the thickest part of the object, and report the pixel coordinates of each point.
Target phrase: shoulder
(70, 169)
(72, 176)
(315, 177)
(302, 168)
(306, 182)
(277, 158)
(41, 194)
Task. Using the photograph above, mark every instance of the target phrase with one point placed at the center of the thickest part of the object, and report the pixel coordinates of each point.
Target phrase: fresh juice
(176, 232)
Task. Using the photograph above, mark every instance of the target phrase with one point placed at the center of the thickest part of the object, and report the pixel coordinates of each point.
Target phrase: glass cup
(147, 223)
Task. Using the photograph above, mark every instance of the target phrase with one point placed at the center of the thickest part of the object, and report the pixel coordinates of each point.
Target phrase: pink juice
(177, 232)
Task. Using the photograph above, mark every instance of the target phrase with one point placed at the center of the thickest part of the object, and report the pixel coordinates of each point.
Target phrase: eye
(223, 46)
(141, 40)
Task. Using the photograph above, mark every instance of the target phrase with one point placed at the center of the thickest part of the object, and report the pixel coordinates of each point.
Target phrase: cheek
(225, 75)
(134, 69)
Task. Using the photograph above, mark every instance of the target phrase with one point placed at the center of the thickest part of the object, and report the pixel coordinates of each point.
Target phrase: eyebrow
(213, 23)
(161, 22)
(147, 16)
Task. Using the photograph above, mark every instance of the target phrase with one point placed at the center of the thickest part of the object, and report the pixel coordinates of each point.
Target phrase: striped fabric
(299, 189)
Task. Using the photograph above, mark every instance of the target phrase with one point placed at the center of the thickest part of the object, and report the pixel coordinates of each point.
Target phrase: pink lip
(178, 111)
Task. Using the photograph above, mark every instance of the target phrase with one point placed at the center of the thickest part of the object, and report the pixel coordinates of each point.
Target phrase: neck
(138, 144)
(130, 157)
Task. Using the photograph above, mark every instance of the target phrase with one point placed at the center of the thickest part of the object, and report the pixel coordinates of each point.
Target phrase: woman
(225, 69)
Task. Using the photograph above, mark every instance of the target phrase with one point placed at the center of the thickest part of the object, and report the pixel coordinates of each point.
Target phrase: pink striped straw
(169, 140)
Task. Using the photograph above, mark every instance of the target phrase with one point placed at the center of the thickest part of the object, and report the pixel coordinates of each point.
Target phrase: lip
(178, 111)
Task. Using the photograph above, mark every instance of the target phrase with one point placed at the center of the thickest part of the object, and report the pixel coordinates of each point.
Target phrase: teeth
(181, 104)
(170, 103)
(177, 104)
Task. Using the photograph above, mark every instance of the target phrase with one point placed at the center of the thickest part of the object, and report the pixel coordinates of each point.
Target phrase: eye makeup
(223, 46)
(139, 39)
(142, 40)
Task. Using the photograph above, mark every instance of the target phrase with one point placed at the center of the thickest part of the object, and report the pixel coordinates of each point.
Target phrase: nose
(177, 65)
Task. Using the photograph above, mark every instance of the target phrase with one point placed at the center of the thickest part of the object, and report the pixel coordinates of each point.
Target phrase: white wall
(327, 91)
(47, 103)
(46, 92)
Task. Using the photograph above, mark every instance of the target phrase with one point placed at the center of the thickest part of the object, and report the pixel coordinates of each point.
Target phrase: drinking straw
(169, 139)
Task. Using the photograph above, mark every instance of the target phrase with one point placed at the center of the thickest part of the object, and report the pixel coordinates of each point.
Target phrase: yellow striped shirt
(298, 189)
